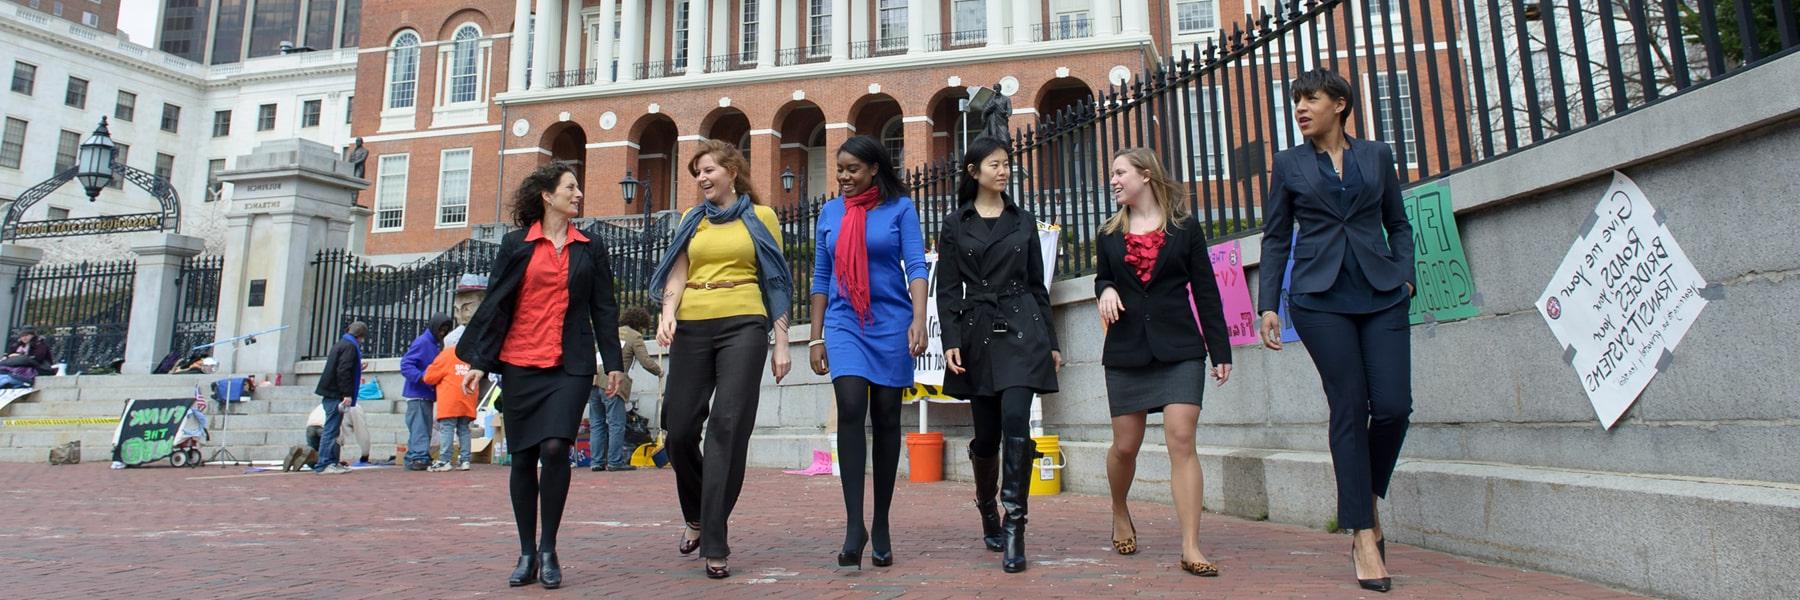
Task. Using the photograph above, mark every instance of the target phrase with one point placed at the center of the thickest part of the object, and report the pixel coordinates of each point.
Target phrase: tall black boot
(987, 484)
(1018, 456)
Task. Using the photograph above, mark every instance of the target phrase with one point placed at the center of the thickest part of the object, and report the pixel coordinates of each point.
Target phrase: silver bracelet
(815, 343)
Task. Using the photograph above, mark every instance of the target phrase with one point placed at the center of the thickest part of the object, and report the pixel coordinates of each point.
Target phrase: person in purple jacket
(421, 398)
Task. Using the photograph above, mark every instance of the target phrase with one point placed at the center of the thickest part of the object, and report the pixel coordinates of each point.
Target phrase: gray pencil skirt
(1151, 387)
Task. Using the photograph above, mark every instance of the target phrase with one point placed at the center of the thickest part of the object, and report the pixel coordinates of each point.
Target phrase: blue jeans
(418, 429)
(449, 430)
(606, 429)
(328, 439)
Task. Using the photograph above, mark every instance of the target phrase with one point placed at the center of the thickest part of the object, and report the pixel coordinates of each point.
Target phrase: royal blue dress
(875, 351)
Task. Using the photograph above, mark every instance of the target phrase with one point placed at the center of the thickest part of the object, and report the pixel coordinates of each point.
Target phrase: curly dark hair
(528, 200)
(636, 318)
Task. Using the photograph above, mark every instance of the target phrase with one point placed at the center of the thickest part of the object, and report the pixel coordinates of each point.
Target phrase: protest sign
(1622, 300)
(1234, 292)
(1446, 289)
(146, 431)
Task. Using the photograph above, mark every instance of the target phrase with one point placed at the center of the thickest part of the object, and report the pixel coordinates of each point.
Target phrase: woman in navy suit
(1348, 296)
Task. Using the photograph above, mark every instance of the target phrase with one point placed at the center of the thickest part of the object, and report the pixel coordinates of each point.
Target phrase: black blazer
(338, 380)
(1298, 194)
(591, 323)
(1162, 305)
(993, 304)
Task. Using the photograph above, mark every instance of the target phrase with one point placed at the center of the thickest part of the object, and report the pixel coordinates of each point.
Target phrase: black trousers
(724, 356)
(1366, 364)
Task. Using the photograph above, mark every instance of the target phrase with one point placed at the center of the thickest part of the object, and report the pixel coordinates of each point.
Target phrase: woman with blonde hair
(724, 287)
(1152, 260)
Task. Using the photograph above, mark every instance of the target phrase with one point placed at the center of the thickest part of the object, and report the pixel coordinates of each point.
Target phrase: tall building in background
(98, 14)
(218, 32)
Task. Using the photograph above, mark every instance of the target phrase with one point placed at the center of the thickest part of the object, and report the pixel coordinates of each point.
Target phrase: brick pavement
(86, 531)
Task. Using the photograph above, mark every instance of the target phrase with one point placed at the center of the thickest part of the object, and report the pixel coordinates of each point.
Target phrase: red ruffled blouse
(1141, 250)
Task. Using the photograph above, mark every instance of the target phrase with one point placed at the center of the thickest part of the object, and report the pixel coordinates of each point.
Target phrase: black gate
(395, 302)
(197, 303)
(83, 309)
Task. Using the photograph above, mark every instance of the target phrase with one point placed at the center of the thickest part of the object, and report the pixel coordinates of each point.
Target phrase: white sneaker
(335, 470)
(463, 467)
(439, 467)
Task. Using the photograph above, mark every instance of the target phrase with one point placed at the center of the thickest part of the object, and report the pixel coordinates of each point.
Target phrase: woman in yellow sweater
(724, 286)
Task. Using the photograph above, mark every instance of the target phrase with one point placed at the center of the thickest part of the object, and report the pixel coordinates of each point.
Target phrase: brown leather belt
(709, 285)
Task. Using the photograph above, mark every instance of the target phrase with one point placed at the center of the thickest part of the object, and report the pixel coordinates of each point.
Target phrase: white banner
(928, 368)
(1622, 300)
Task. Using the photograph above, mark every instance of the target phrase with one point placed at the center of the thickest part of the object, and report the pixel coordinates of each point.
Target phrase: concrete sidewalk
(86, 531)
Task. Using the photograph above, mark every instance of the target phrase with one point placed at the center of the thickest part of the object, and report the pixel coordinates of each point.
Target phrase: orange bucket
(925, 457)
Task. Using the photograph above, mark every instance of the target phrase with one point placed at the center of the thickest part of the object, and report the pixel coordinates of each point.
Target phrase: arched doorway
(802, 127)
(1058, 94)
(879, 116)
(655, 159)
(567, 142)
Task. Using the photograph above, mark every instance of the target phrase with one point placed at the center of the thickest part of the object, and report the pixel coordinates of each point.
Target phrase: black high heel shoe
(846, 557)
(688, 546)
(1384, 584)
(526, 573)
(881, 552)
(719, 572)
(549, 571)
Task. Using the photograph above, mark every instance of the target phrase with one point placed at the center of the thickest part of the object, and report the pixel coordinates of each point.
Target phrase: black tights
(1006, 414)
(857, 397)
(529, 487)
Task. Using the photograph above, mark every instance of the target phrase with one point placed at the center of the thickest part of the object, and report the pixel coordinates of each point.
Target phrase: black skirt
(539, 404)
(1151, 387)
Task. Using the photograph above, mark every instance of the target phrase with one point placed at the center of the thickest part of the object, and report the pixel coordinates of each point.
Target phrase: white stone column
(915, 27)
(697, 34)
(291, 199)
(603, 47)
(631, 39)
(768, 33)
(1021, 21)
(840, 30)
(996, 25)
(515, 58)
(155, 295)
(543, 46)
(13, 259)
(1137, 15)
(572, 34)
(1103, 17)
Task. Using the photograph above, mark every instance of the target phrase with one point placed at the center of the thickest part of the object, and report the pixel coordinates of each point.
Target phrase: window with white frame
(968, 21)
(818, 27)
(265, 117)
(1281, 107)
(893, 136)
(747, 32)
(309, 112)
(453, 188)
(1073, 25)
(1207, 149)
(890, 24)
(76, 95)
(214, 187)
(57, 213)
(12, 144)
(90, 19)
(171, 118)
(465, 64)
(125, 109)
(1196, 16)
(165, 165)
(681, 37)
(593, 60)
(121, 155)
(403, 71)
(66, 147)
(24, 79)
(390, 192)
(1391, 96)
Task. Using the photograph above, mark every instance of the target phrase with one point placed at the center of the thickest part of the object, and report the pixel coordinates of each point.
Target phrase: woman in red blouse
(549, 306)
(1153, 258)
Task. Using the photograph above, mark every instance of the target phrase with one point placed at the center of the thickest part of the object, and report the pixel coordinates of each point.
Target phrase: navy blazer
(592, 321)
(1298, 194)
(1158, 325)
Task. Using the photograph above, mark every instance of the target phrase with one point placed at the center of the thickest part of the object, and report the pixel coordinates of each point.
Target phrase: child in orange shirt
(455, 408)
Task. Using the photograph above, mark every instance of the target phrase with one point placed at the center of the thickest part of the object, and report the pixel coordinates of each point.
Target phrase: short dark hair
(1328, 81)
(636, 318)
(528, 200)
(357, 329)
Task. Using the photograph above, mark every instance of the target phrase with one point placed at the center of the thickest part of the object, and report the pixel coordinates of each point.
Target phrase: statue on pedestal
(358, 157)
(997, 117)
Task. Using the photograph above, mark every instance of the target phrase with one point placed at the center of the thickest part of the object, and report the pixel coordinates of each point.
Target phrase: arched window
(893, 136)
(403, 70)
(465, 64)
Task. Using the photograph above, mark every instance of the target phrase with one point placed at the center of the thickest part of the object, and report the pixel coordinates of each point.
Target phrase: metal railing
(656, 69)
(395, 302)
(735, 61)
(1072, 29)
(893, 46)
(956, 40)
(571, 78)
(83, 310)
(802, 55)
(197, 302)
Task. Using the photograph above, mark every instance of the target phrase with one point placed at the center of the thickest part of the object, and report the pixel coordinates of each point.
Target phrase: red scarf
(851, 258)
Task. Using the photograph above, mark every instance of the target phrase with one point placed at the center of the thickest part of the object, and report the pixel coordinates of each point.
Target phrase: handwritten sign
(1446, 288)
(1234, 292)
(928, 368)
(146, 431)
(1622, 300)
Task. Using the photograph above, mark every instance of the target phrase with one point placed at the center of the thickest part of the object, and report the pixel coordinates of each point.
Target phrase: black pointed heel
(881, 559)
(549, 571)
(526, 573)
(851, 555)
(1383, 585)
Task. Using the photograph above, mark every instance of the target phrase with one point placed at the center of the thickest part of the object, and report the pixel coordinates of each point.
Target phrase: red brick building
(102, 15)
(455, 107)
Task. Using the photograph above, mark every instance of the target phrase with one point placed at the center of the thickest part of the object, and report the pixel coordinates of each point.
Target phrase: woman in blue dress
(869, 279)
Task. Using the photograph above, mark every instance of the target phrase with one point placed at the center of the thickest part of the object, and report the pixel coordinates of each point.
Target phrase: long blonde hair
(729, 158)
(1167, 192)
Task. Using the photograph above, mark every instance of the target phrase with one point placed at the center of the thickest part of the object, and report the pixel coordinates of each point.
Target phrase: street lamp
(787, 179)
(95, 160)
(628, 187)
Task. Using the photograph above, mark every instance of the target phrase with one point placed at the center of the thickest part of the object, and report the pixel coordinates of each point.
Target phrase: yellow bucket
(1047, 479)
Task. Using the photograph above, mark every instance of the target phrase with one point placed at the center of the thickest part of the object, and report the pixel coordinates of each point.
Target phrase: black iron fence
(657, 69)
(635, 246)
(956, 40)
(734, 61)
(571, 78)
(802, 55)
(890, 46)
(395, 302)
(82, 309)
(197, 302)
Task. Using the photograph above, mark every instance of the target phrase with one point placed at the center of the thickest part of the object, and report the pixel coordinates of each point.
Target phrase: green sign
(1446, 287)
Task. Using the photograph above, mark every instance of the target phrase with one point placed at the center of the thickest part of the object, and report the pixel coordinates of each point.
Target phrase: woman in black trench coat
(999, 344)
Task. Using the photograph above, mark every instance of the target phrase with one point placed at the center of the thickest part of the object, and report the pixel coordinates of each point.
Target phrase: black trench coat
(993, 304)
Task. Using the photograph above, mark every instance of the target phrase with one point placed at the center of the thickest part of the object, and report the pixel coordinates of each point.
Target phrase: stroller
(186, 450)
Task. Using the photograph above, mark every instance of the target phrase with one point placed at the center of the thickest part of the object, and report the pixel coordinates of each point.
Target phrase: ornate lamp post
(95, 161)
(628, 187)
(96, 166)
